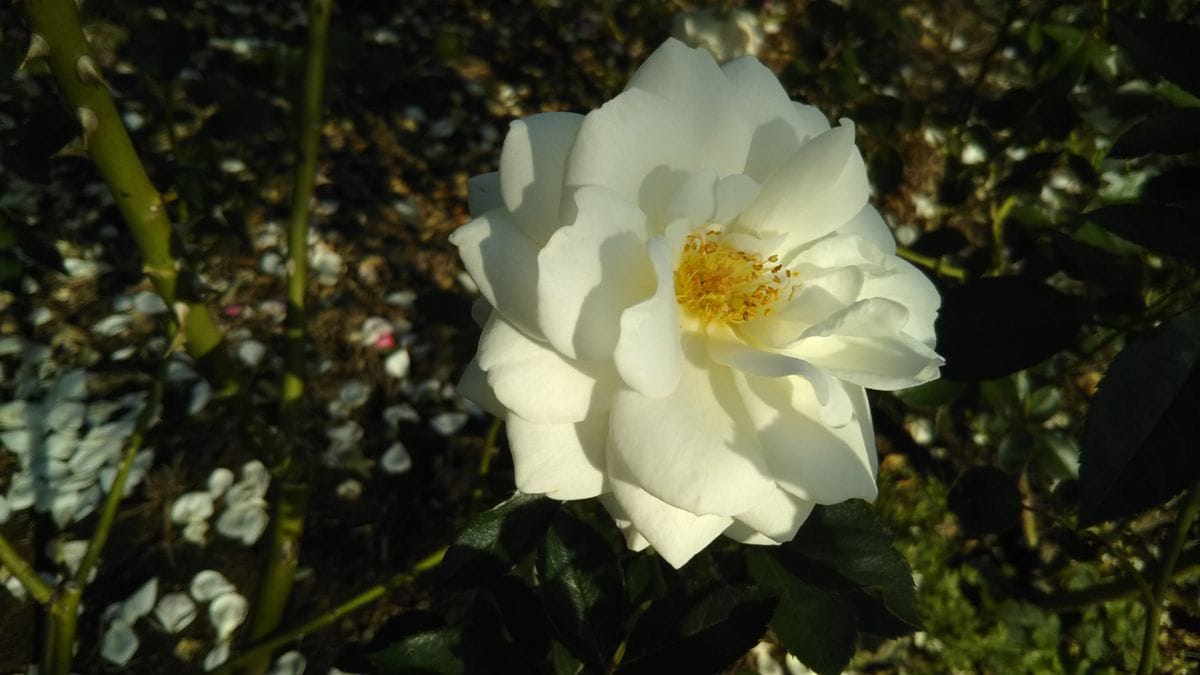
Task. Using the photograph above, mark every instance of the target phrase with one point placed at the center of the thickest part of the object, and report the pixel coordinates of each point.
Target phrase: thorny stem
(291, 505)
(107, 142)
(1154, 606)
(265, 647)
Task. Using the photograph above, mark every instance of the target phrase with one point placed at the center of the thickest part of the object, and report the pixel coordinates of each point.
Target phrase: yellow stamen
(718, 283)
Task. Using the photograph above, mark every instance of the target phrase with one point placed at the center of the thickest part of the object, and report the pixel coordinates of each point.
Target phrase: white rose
(686, 294)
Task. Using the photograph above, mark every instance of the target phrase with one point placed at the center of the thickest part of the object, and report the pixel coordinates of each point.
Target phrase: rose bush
(686, 294)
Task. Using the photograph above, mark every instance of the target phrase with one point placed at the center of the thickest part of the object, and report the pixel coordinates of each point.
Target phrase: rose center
(716, 282)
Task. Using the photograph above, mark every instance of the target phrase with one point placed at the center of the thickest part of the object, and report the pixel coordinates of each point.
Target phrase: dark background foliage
(1038, 159)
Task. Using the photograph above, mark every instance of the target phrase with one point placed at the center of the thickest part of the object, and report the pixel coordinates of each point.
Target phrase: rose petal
(565, 391)
(633, 539)
(483, 193)
(695, 449)
(779, 124)
(676, 534)
(503, 263)
(779, 516)
(734, 193)
(869, 225)
(642, 146)
(910, 287)
(531, 170)
(474, 386)
(562, 461)
(590, 272)
(648, 355)
(816, 190)
(808, 458)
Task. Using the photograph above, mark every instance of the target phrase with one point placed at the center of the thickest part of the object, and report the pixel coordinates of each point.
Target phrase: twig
(291, 505)
(1187, 515)
(265, 647)
(936, 265)
(56, 22)
(59, 647)
(1117, 589)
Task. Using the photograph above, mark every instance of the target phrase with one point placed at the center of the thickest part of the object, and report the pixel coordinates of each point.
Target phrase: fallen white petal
(140, 603)
(245, 522)
(119, 643)
(217, 656)
(226, 613)
(208, 584)
(448, 423)
(397, 364)
(219, 481)
(396, 459)
(289, 663)
(175, 611)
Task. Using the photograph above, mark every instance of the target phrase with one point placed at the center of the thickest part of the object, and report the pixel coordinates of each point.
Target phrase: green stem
(936, 265)
(1187, 516)
(485, 460)
(302, 192)
(60, 633)
(16, 564)
(107, 142)
(265, 647)
(59, 647)
(291, 505)
(108, 512)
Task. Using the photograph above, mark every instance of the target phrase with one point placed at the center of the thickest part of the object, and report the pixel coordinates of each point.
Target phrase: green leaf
(435, 652)
(1172, 133)
(986, 500)
(995, 326)
(494, 541)
(1057, 454)
(563, 662)
(1042, 403)
(1014, 449)
(815, 624)
(1162, 228)
(845, 546)
(1138, 445)
(582, 587)
(1159, 48)
(700, 634)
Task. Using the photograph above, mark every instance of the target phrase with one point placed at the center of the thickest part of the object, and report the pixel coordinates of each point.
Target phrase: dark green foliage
(1158, 48)
(1139, 443)
(698, 633)
(1171, 133)
(1162, 228)
(998, 325)
(838, 578)
(814, 623)
(495, 540)
(582, 588)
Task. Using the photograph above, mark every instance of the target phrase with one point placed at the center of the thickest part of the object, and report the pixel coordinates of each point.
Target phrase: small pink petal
(385, 341)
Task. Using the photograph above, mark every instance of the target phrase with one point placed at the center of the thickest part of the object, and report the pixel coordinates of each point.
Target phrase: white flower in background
(688, 294)
(726, 35)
